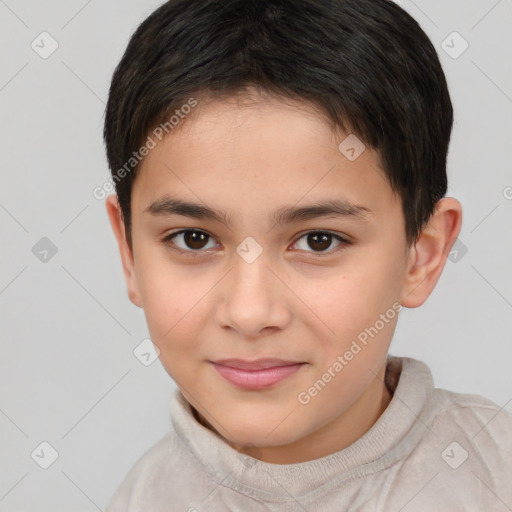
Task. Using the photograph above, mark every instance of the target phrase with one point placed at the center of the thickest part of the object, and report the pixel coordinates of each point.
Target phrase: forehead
(252, 153)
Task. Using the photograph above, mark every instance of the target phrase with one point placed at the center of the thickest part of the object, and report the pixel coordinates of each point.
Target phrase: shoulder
(473, 418)
(461, 455)
(484, 421)
(475, 434)
(152, 463)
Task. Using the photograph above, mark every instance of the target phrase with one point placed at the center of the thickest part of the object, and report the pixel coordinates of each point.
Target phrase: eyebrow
(167, 206)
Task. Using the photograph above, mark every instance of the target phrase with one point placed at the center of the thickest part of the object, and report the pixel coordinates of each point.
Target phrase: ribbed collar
(391, 438)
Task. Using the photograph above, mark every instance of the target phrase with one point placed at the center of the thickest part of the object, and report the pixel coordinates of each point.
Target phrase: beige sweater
(431, 450)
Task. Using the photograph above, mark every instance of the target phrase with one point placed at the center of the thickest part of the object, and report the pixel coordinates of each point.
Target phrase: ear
(428, 256)
(117, 222)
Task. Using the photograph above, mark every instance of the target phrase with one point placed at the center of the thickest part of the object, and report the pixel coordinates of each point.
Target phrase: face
(295, 252)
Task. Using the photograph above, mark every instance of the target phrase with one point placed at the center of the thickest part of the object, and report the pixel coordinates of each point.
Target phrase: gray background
(68, 331)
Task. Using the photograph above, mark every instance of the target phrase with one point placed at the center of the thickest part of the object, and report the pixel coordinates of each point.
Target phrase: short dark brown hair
(366, 64)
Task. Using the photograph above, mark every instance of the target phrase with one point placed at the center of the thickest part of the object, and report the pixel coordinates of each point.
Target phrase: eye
(320, 241)
(189, 240)
(196, 241)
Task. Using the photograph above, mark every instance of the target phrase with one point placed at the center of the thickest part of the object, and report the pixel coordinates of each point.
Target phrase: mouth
(260, 374)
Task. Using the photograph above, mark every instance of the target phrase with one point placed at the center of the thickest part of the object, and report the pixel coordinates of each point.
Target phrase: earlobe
(118, 227)
(428, 256)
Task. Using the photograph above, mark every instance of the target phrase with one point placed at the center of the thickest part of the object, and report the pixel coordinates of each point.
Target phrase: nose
(254, 301)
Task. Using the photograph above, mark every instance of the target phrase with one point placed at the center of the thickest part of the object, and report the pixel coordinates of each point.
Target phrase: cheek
(171, 301)
(351, 296)
(347, 308)
(174, 328)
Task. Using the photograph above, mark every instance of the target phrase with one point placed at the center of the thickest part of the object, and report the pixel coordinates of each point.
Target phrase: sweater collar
(394, 435)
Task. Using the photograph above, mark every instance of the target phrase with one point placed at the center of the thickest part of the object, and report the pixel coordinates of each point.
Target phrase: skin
(296, 301)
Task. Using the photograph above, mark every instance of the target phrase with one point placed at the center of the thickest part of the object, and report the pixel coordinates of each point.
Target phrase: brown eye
(320, 242)
(195, 239)
(189, 240)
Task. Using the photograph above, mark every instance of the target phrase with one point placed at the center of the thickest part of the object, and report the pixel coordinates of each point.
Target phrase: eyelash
(193, 254)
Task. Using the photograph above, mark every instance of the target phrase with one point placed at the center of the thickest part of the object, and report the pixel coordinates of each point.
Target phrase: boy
(280, 169)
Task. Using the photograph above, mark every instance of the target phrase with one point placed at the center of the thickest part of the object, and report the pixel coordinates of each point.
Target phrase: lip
(259, 374)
